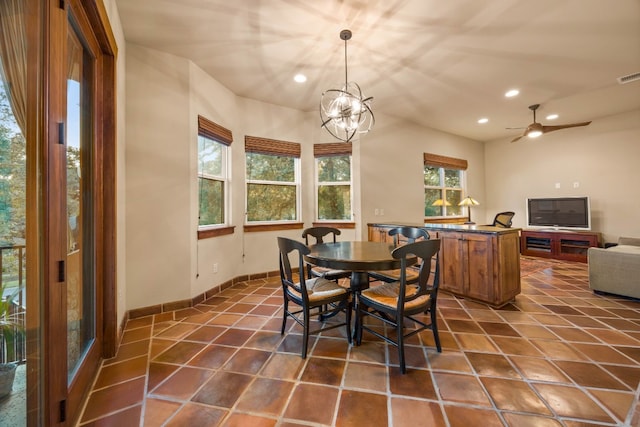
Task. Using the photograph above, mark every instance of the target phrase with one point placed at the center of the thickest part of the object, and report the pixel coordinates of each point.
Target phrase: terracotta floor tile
(366, 376)
(266, 396)
(448, 361)
(361, 409)
(589, 375)
(233, 336)
(123, 371)
(243, 420)
(416, 383)
(512, 395)
(492, 365)
(312, 403)
(223, 389)
(516, 346)
(603, 353)
(522, 420)
(283, 366)
(183, 383)
(205, 334)
(247, 361)
(181, 352)
(196, 415)
(571, 402)
(468, 326)
(114, 398)
(461, 388)
(461, 416)
(495, 328)
(410, 413)
(498, 366)
(323, 371)
(129, 351)
(473, 342)
(158, 411)
(539, 369)
(620, 404)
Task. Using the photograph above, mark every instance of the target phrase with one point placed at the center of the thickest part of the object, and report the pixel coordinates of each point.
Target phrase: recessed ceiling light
(552, 116)
(483, 120)
(300, 78)
(511, 93)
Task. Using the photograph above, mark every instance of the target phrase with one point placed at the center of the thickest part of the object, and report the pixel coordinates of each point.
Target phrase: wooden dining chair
(309, 294)
(401, 235)
(319, 234)
(396, 302)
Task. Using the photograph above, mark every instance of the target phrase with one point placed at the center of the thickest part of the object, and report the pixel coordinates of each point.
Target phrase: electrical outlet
(376, 211)
(557, 185)
(381, 211)
(576, 184)
(215, 267)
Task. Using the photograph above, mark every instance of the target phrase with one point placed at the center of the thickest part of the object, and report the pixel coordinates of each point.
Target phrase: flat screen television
(571, 213)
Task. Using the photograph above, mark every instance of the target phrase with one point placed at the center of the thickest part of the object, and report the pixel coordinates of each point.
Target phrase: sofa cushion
(627, 249)
(634, 241)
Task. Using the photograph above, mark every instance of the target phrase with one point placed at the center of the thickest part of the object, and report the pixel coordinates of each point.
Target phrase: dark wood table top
(353, 256)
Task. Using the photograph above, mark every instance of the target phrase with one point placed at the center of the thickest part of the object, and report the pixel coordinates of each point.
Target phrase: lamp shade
(468, 202)
(440, 202)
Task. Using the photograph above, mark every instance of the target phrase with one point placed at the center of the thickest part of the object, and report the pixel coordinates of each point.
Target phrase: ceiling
(441, 64)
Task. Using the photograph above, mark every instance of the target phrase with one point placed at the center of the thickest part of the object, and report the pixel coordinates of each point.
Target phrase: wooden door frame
(46, 231)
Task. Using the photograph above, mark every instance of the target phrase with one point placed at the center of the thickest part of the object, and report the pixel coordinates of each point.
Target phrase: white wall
(602, 158)
(391, 170)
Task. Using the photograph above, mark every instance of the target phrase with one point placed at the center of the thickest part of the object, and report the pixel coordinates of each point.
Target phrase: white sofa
(616, 270)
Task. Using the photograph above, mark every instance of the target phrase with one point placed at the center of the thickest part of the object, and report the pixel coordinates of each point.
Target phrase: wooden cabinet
(483, 267)
(476, 262)
(565, 245)
(380, 232)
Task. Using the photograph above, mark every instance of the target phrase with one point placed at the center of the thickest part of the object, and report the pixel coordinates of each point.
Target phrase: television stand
(559, 244)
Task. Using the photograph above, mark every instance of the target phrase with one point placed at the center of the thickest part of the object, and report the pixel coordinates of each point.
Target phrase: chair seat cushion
(387, 295)
(394, 275)
(329, 272)
(318, 289)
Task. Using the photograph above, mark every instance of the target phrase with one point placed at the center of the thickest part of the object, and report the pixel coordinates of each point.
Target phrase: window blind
(332, 149)
(212, 130)
(444, 161)
(254, 144)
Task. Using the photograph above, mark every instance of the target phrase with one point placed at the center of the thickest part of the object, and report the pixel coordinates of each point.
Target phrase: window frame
(275, 148)
(447, 163)
(320, 152)
(214, 133)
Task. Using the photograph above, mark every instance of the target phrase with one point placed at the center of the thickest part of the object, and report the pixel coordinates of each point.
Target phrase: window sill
(273, 227)
(344, 225)
(215, 232)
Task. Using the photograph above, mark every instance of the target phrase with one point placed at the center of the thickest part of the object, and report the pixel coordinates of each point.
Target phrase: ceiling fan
(536, 129)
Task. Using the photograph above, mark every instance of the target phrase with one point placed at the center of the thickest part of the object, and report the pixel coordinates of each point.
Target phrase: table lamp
(468, 202)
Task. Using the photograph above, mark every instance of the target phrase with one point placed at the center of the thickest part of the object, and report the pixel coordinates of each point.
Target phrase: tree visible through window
(273, 180)
(333, 188)
(444, 185)
(213, 173)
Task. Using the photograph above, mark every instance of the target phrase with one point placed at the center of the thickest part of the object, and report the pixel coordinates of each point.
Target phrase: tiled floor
(558, 356)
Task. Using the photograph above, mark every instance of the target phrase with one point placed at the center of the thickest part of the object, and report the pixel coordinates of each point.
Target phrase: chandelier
(346, 112)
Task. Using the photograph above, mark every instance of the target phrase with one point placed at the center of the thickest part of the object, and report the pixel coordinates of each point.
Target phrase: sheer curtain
(13, 58)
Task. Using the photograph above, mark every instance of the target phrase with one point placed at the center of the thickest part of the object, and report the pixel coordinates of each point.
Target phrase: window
(444, 179)
(213, 173)
(273, 180)
(333, 182)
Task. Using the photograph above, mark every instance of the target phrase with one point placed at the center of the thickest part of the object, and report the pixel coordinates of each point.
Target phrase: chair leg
(347, 311)
(358, 323)
(285, 308)
(305, 333)
(434, 329)
(400, 332)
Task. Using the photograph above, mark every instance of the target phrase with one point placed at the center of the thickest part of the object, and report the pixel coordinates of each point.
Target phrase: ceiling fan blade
(546, 129)
(517, 138)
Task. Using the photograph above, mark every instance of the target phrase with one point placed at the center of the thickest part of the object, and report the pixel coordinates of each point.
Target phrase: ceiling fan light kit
(536, 129)
(346, 112)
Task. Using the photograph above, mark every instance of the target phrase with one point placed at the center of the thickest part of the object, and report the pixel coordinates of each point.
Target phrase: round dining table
(359, 257)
